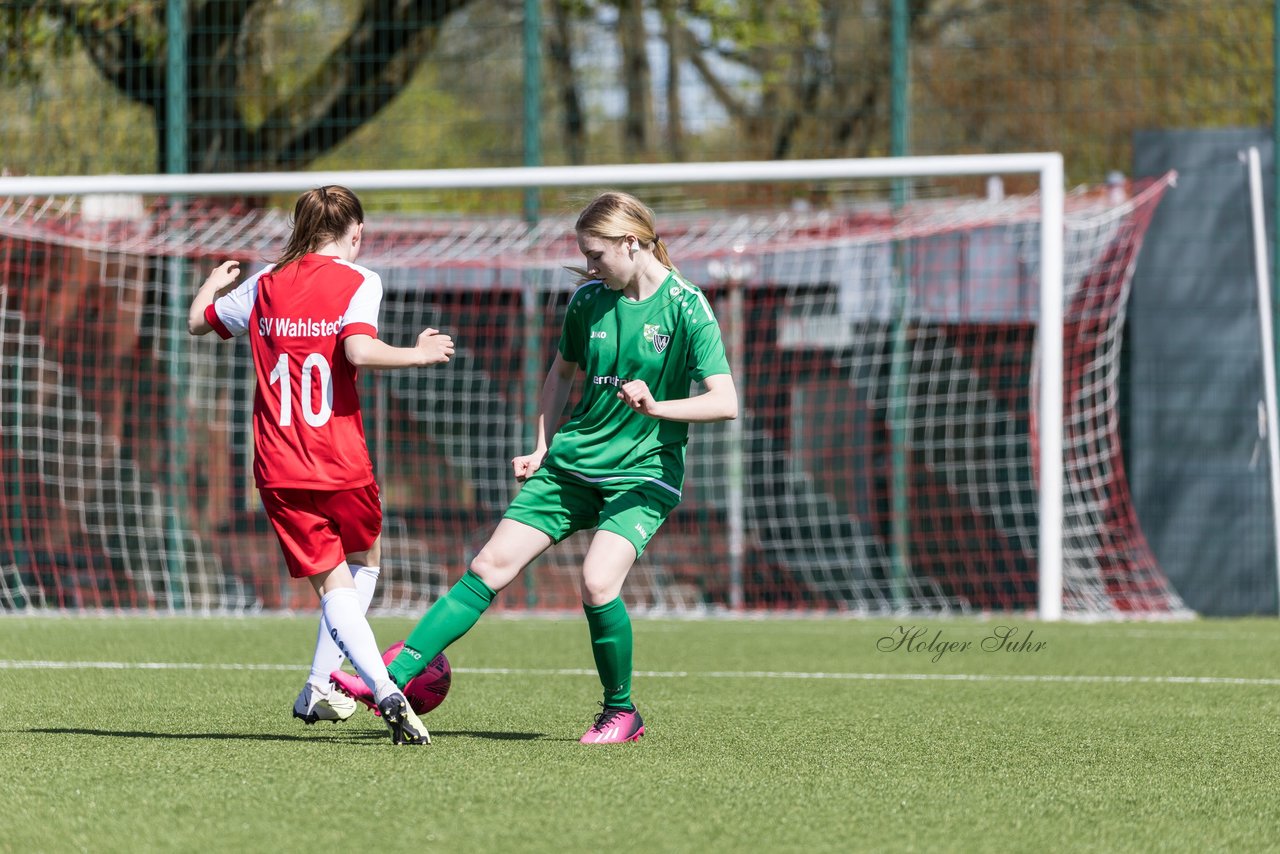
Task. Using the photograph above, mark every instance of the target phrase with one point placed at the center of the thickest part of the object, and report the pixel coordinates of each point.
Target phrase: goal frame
(1046, 166)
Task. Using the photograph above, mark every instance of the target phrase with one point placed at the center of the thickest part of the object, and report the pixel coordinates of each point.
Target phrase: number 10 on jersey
(313, 364)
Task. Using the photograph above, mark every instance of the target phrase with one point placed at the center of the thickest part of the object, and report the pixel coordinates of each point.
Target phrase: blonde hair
(320, 216)
(613, 215)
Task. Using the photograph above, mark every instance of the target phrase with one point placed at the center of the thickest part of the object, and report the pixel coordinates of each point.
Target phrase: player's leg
(350, 630)
(630, 517)
(550, 506)
(328, 704)
(609, 559)
(358, 513)
(513, 546)
(328, 657)
(313, 549)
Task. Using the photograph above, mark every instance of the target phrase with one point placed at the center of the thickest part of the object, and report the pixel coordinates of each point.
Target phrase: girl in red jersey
(312, 320)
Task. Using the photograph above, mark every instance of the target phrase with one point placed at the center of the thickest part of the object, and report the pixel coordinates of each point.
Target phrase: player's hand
(636, 395)
(524, 466)
(223, 276)
(435, 346)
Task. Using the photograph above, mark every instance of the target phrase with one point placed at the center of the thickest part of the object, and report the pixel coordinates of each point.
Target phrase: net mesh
(884, 461)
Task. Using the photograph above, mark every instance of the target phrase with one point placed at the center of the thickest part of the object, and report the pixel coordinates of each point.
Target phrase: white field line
(683, 674)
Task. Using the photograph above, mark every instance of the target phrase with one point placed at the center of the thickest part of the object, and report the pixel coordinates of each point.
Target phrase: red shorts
(317, 528)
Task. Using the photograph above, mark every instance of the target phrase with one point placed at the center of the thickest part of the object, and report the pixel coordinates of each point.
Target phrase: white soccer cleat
(312, 706)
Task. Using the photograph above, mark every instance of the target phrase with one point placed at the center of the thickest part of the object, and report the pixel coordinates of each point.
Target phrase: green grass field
(784, 735)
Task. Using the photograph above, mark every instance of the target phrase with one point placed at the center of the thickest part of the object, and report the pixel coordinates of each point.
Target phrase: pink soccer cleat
(353, 686)
(424, 691)
(615, 726)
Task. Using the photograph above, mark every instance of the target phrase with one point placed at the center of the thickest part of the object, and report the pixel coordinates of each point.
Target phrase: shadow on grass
(495, 736)
(339, 735)
(215, 736)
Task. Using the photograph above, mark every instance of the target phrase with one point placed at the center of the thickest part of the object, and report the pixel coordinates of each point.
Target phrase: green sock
(446, 621)
(611, 645)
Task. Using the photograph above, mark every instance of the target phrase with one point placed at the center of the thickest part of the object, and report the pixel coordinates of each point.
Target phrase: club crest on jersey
(659, 340)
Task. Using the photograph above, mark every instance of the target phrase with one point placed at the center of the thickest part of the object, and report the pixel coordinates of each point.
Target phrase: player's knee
(493, 570)
(598, 590)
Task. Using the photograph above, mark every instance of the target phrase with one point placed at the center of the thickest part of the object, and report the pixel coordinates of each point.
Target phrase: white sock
(354, 637)
(328, 657)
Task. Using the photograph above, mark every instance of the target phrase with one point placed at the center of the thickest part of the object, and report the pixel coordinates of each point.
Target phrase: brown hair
(320, 216)
(613, 215)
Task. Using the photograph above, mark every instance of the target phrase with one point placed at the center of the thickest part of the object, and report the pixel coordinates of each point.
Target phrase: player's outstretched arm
(718, 403)
(365, 351)
(222, 279)
(551, 401)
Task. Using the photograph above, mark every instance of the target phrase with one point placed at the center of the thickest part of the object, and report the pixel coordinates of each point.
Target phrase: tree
(229, 125)
(816, 72)
(1031, 77)
(811, 78)
(637, 80)
(564, 80)
(283, 84)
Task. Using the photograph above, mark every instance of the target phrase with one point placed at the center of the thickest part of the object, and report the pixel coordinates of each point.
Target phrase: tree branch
(362, 75)
(734, 106)
(117, 50)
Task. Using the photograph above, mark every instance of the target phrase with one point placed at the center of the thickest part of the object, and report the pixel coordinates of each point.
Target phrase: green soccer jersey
(669, 340)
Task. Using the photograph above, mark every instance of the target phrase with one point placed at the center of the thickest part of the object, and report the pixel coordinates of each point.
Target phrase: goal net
(887, 350)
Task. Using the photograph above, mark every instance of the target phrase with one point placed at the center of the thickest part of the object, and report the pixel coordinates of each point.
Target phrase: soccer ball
(429, 688)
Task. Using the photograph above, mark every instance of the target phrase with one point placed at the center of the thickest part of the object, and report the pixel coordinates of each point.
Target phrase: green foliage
(25, 36)
(30, 31)
(63, 119)
(795, 79)
(1043, 77)
(284, 46)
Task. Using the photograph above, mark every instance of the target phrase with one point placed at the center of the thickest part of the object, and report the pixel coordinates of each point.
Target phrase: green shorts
(558, 504)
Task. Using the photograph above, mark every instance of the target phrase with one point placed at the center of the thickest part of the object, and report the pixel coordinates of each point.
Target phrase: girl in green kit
(642, 335)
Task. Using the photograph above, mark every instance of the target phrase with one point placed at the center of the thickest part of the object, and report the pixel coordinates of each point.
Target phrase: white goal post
(1045, 168)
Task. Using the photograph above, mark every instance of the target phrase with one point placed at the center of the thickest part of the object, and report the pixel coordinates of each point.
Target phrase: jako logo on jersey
(600, 334)
(642, 531)
(286, 327)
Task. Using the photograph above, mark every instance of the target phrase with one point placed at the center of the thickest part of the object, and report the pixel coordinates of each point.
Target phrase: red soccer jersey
(307, 428)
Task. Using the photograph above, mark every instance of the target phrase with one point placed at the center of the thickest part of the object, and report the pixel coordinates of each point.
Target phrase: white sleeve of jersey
(234, 308)
(366, 302)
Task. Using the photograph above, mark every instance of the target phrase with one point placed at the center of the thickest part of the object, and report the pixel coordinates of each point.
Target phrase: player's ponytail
(660, 252)
(319, 217)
